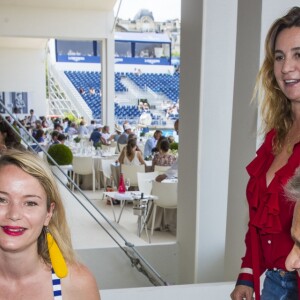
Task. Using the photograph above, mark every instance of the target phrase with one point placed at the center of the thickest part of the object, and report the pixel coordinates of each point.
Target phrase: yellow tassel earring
(57, 260)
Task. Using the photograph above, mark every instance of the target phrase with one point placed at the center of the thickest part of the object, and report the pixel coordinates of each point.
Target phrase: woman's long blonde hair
(33, 165)
(276, 108)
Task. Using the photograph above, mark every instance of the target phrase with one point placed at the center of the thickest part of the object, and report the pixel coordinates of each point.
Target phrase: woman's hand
(242, 292)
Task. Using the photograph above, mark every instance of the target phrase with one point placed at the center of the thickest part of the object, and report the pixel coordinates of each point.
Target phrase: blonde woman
(37, 260)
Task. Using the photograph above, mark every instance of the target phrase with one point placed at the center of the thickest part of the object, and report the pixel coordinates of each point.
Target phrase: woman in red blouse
(268, 240)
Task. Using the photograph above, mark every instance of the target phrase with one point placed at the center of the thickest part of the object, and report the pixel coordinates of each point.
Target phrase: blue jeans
(280, 285)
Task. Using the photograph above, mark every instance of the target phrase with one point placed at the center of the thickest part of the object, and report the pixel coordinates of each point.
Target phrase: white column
(208, 32)
(243, 132)
(108, 81)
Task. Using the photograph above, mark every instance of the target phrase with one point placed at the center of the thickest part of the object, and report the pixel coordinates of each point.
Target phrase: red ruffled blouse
(268, 240)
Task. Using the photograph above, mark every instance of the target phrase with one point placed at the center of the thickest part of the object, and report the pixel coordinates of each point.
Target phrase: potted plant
(98, 145)
(77, 139)
(174, 148)
(63, 156)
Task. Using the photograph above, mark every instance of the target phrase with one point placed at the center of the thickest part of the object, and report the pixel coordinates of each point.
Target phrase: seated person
(40, 138)
(123, 138)
(54, 138)
(163, 157)
(151, 143)
(173, 171)
(132, 136)
(131, 156)
(96, 135)
(61, 138)
(9, 138)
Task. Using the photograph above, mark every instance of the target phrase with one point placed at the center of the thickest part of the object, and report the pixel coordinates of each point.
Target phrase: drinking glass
(127, 183)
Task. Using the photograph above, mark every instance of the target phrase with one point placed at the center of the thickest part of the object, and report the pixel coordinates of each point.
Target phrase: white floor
(87, 233)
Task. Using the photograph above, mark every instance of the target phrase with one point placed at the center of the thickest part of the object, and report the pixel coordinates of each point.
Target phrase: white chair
(83, 165)
(130, 172)
(165, 194)
(161, 169)
(106, 169)
(145, 181)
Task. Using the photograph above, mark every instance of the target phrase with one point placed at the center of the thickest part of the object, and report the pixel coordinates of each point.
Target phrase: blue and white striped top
(56, 286)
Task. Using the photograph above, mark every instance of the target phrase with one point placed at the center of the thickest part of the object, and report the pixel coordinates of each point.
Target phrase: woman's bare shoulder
(79, 283)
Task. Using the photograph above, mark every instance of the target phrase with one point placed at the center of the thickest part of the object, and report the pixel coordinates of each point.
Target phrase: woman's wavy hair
(276, 108)
(33, 165)
(131, 143)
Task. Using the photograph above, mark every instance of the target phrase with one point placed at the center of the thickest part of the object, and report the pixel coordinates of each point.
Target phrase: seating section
(88, 84)
(160, 83)
(128, 112)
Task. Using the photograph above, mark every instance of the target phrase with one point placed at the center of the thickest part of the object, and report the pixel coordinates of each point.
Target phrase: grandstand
(77, 71)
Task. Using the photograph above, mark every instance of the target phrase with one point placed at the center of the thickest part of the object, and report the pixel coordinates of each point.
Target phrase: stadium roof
(7, 41)
(142, 37)
(104, 5)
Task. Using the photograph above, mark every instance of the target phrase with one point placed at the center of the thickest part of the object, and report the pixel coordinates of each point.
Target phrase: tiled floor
(91, 230)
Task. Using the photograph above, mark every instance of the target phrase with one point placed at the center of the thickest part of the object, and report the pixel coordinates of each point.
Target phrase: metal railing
(136, 259)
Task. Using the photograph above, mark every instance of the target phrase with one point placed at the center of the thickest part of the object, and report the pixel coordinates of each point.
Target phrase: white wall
(214, 291)
(243, 132)
(207, 82)
(58, 23)
(218, 55)
(23, 70)
(113, 270)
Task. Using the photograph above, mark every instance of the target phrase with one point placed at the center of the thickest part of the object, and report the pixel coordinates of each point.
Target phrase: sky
(162, 9)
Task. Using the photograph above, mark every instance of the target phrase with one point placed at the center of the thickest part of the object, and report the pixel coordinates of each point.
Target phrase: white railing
(78, 104)
(204, 291)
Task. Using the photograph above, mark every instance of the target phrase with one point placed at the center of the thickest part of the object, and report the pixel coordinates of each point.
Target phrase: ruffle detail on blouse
(267, 213)
(264, 201)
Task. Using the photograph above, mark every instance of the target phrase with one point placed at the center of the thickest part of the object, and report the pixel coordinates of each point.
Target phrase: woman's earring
(57, 260)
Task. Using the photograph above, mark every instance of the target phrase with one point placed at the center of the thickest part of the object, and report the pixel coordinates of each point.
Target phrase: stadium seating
(83, 81)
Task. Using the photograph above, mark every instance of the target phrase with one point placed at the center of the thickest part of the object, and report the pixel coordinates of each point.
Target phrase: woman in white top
(130, 155)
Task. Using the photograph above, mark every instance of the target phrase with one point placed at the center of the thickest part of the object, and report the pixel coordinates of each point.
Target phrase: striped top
(56, 286)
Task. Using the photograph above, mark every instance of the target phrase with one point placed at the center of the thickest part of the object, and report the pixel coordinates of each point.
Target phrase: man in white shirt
(122, 140)
(32, 118)
(106, 134)
(82, 129)
(92, 126)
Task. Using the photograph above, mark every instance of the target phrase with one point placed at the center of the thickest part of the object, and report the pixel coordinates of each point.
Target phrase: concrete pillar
(108, 81)
(243, 132)
(208, 32)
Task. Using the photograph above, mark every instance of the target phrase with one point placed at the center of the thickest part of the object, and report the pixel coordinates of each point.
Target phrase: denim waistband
(283, 273)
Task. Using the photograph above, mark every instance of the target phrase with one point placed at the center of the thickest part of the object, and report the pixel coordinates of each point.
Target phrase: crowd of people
(48, 132)
(155, 148)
